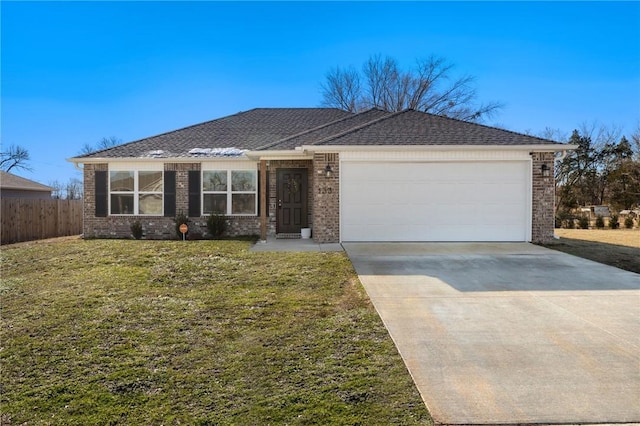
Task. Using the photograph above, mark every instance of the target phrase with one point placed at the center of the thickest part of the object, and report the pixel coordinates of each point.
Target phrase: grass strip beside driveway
(203, 332)
(619, 248)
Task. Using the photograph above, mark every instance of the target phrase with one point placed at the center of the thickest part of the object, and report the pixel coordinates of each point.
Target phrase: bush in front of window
(216, 224)
(613, 222)
(136, 230)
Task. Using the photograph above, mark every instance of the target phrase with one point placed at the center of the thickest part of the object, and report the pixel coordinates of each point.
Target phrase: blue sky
(75, 72)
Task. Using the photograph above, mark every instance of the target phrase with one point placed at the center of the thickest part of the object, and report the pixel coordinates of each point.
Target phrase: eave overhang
(369, 148)
(102, 160)
(288, 154)
(306, 152)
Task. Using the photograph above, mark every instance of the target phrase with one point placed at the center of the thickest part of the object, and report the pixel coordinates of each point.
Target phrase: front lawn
(202, 332)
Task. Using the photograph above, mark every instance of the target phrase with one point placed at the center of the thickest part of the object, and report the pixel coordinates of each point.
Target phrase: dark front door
(292, 201)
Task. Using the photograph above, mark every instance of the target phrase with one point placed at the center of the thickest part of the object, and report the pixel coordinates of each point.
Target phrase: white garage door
(435, 201)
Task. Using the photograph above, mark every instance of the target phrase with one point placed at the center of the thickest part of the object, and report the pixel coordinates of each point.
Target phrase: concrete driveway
(509, 333)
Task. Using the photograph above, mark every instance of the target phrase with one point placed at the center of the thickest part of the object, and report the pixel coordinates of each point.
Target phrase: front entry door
(292, 201)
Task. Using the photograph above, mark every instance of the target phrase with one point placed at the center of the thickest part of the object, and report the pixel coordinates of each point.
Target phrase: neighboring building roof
(278, 129)
(10, 181)
(244, 131)
(411, 127)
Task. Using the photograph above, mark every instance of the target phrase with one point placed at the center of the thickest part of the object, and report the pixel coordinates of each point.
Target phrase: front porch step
(288, 236)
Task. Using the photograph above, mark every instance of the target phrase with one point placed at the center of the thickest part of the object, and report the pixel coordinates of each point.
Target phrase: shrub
(613, 222)
(599, 222)
(570, 223)
(558, 222)
(583, 222)
(628, 222)
(136, 230)
(179, 220)
(216, 224)
(562, 218)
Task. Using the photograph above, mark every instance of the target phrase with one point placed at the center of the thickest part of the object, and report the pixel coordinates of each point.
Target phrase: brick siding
(326, 198)
(155, 227)
(543, 197)
(323, 198)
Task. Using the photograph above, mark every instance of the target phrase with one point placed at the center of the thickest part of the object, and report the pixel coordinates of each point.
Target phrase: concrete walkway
(509, 333)
(294, 244)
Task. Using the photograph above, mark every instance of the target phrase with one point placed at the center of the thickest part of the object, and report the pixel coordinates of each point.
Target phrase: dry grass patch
(622, 237)
(203, 332)
(619, 247)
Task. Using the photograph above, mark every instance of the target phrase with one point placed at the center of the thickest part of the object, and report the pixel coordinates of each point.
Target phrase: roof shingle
(411, 127)
(268, 129)
(245, 130)
(11, 181)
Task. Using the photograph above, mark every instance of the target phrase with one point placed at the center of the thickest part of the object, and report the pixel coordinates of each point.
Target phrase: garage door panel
(470, 201)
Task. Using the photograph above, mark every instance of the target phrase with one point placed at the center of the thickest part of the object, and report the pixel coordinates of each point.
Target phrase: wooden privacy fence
(26, 219)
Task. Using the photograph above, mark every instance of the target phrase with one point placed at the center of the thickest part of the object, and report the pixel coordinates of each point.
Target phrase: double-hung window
(135, 192)
(229, 192)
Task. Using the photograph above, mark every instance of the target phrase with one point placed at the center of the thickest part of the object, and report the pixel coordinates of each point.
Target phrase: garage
(435, 201)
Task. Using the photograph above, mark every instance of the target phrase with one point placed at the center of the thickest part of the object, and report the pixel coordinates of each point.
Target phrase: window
(229, 192)
(135, 192)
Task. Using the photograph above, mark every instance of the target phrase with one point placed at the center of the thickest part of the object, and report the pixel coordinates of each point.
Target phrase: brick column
(543, 198)
(326, 198)
(182, 183)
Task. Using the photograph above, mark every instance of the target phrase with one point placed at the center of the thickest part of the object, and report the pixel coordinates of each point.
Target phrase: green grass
(199, 333)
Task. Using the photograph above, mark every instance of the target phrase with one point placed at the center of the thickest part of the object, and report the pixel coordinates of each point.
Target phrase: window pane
(150, 181)
(214, 180)
(121, 203)
(243, 203)
(121, 181)
(243, 180)
(215, 204)
(150, 204)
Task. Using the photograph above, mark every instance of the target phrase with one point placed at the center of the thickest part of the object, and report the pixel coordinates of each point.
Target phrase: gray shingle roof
(10, 181)
(411, 127)
(245, 130)
(312, 136)
(267, 129)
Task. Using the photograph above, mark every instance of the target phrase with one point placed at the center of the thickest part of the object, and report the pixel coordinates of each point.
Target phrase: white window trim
(136, 193)
(229, 192)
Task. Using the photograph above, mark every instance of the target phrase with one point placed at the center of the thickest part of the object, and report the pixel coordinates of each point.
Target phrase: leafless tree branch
(428, 87)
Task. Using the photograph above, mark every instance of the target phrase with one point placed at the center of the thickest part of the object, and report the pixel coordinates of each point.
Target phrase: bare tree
(635, 141)
(72, 190)
(553, 134)
(57, 189)
(342, 89)
(104, 143)
(14, 157)
(601, 134)
(428, 87)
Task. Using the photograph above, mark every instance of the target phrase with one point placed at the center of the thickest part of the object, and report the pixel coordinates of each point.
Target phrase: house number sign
(325, 190)
(184, 228)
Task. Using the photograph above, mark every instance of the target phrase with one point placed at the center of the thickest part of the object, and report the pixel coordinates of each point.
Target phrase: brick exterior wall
(326, 198)
(543, 198)
(155, 227)
(323, 198)
(182, 183)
